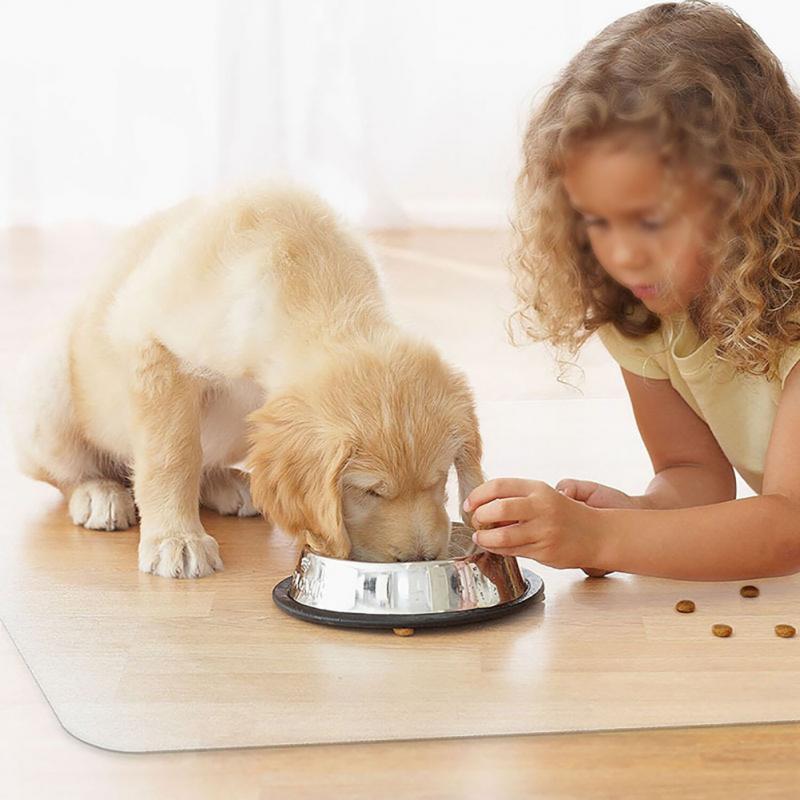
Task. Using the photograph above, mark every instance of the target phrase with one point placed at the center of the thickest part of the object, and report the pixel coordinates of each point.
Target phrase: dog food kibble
(749, 591)
(684, 606)
(722, 630)
(404, 631)
(785, 631)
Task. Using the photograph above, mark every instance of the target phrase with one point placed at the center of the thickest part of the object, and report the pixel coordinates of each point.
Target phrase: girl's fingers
(497, 488)
(568, 487)
(577, 490)
(596, 573)
(504, 510)
(502, 539)
(508, 551)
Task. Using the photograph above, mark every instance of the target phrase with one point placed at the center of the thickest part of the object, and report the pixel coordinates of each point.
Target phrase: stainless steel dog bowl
(410, 594)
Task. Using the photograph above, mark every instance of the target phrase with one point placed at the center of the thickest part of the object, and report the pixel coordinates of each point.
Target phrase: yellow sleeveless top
(739, 409)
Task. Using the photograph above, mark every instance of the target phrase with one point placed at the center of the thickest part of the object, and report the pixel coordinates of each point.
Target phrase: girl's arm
(756, 537)
(718, 538)
(706, 535)
(690, 468)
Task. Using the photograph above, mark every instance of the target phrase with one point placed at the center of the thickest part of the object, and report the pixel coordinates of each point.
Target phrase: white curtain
(401, 112)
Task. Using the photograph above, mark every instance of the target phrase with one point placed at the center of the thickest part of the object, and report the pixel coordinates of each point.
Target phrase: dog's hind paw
(227, 491)
(102, 505)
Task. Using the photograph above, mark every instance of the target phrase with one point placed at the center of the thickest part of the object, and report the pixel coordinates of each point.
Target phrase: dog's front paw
(227, 491)
(102, 505)
(180, 555)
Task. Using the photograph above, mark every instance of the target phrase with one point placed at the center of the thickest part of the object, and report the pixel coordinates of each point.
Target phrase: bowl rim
(534, 593)
(307, 551)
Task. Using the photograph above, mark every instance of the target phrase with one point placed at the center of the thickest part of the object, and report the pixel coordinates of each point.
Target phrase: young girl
(659, 205)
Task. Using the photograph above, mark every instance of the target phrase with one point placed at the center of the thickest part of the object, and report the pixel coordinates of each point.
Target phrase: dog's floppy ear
(468, 459)
(296, 462)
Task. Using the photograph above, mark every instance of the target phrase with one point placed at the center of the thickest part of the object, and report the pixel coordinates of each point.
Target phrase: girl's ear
(296, 463)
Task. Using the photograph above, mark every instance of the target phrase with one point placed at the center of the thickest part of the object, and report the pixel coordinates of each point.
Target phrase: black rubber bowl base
(341, 619)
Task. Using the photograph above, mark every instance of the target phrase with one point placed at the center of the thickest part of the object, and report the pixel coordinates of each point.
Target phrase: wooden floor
(39, 273)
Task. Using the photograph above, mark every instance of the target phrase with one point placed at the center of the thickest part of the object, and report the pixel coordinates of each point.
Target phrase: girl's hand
(597, 495)
(520, 517)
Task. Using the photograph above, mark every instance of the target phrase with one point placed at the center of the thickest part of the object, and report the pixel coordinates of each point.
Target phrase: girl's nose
(626, 255)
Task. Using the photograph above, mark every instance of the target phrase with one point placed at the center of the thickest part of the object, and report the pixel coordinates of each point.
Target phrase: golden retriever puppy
(249, 327)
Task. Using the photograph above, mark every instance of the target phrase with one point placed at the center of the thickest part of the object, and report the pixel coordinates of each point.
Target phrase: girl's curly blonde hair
(703, 83)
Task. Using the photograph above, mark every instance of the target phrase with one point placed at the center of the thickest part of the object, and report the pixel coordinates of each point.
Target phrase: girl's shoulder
(675, 347)
(789, 357)
(642, 355)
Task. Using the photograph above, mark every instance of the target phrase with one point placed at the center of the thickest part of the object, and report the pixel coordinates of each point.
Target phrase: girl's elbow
(785, 555)
(782, 569)
(786, 558)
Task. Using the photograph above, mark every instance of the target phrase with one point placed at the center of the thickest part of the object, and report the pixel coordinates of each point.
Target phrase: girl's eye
(652, 224)
(593, 222)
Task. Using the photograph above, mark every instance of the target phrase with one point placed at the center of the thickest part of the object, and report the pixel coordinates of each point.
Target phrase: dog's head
(357, 461)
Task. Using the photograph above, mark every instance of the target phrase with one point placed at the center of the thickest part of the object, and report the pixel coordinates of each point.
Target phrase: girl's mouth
(644, 291)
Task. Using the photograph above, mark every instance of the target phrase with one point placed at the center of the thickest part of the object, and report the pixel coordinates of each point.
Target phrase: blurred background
(403, 113)
(406, 115)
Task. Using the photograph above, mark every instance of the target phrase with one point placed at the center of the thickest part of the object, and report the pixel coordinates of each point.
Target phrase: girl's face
(649, 227)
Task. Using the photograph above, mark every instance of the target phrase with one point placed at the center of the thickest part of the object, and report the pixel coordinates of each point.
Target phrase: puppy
(250, 327)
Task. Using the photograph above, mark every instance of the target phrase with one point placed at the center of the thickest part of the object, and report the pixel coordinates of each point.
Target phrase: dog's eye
(372, 493)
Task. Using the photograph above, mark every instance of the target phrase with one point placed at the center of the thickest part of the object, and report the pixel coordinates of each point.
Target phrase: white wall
(402, 112)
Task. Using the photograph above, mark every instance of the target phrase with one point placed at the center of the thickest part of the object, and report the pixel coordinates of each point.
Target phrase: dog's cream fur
(252, 326)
